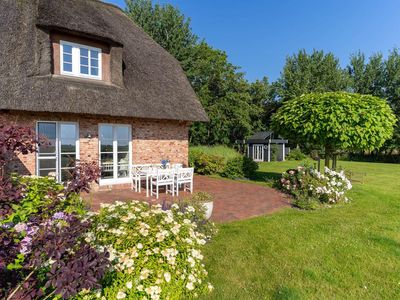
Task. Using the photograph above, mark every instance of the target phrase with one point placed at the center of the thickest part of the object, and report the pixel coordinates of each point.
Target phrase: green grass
(219, 150)
(350, 251)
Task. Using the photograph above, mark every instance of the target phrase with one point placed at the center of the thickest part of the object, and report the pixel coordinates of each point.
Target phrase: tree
(367, 77)
(337, 121)
(316, 72)
(233, 105)
(380, 78)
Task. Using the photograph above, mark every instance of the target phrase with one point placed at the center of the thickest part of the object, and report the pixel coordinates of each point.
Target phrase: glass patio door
(258, 152)
(115, 152)
(58, 155)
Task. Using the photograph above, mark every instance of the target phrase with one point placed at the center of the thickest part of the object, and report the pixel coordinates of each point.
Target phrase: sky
(258, 35)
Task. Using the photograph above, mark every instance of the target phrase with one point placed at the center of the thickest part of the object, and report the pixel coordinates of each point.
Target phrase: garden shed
(264, 146)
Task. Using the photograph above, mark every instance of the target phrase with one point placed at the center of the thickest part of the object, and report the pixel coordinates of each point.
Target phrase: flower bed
(311, 188)
(155, 253)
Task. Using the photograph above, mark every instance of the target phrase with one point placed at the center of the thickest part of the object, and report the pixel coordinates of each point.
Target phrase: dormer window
(80, 60)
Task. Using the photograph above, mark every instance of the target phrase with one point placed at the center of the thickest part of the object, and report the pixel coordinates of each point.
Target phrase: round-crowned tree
(336, 121)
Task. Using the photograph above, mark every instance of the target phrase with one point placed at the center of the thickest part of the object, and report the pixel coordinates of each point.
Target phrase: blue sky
(257, 35)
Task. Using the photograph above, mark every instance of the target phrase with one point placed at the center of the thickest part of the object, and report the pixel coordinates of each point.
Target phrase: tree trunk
(328, 155)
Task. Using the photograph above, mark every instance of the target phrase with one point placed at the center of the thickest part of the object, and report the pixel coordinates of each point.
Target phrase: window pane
(123, 158)
(48, 149)
(67, 67)
(123, 146)
(94, 63)
(84, 61)
(94, 54)
(94, 71)
(68, 131)
(67, 58)
(67, 49)
(122, 133)
(66, 174)
(68, 160)
(47, 129)
(68, 146)
(106, 132)
(47, 163)
(47, 172)
(123, 171)
(84, 70)
(106, 146)
(84, 52)
(106, 159)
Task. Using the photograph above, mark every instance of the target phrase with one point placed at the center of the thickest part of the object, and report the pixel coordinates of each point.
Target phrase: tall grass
(218, 150)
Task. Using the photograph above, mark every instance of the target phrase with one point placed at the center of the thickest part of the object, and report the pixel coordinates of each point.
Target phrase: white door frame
(260, 147)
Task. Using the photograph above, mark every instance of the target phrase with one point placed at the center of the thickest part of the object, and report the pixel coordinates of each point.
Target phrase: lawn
(346, 252)
(219, 150)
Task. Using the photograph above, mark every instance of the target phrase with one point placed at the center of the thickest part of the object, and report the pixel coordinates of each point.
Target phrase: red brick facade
(152, 140)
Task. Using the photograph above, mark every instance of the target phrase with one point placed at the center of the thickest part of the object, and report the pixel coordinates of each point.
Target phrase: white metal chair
(177, 166)
(184, 176)
(138, 175)
(163, 178)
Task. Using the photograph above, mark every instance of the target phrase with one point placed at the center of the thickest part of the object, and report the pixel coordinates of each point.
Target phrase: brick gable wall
(152, 140)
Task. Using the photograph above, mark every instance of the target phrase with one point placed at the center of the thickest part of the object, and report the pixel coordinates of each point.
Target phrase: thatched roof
(154, 85)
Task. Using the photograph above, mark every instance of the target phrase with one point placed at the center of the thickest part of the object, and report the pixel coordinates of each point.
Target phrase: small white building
(263, 146)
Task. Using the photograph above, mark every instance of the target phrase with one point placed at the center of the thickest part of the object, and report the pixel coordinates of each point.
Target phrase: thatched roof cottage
(83, 74)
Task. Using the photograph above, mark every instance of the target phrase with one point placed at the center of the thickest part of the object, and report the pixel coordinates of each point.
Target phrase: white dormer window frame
(80, 60)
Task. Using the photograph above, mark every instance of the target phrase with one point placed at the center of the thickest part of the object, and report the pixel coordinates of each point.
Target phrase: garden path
(233, 200)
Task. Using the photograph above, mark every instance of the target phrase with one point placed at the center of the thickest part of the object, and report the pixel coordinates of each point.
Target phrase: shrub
(225, 152)
(155, 253)
(240, 167)
(42, 245)
(310, 187)
(41, 231)
(296, 154)
(205, 164)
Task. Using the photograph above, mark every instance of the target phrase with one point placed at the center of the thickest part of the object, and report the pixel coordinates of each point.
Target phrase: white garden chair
(176, 166)
(184, 176)
(163, 177)
(138, 174)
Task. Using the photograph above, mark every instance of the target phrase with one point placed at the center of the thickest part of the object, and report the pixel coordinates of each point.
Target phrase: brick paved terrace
(232, 200)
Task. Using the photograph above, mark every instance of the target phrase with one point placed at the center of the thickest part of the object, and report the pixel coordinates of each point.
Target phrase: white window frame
(116, 180)
(262, 152)
(76, 63)
(58, 141)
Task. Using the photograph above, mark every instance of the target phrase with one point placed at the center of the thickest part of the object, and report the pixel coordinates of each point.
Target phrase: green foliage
(336, 120)
(304, 73)
(240, 167)
(234, 106)
(296, 154)
(205, 164)
(217, 150)
(311, 188)
(155, 253)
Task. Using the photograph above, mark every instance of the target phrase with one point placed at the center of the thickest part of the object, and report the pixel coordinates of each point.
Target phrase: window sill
(82, 80)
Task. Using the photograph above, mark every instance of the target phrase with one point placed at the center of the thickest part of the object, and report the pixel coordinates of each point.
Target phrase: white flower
(190, 286)
(144, 274)
(190, 209)
(154, 292)
(139, 246)
(121, 295)
(210, 287)
(129, 284)
(167, 276)
(140, 288)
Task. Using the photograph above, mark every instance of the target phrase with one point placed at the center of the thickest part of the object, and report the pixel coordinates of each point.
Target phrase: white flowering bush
(155, 253)
(331, 187)
(311, 188)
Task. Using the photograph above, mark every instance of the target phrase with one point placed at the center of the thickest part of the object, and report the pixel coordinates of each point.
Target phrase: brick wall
(152, 140)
